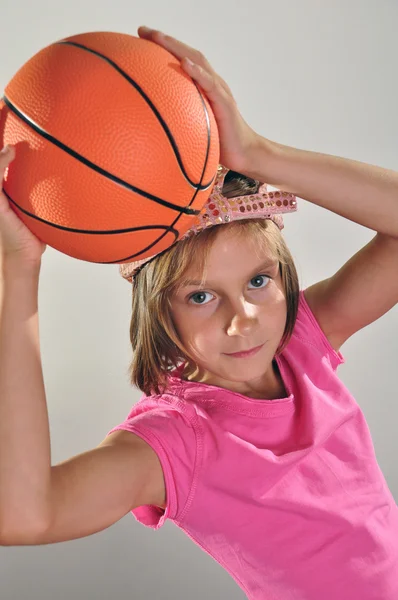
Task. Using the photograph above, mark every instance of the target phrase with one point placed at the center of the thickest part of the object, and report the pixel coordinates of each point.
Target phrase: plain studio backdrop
(315, 75)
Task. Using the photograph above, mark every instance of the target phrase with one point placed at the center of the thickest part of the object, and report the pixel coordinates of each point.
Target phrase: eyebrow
(195, 282)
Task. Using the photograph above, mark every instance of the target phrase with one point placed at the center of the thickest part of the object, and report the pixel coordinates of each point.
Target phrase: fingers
(201, 70)
(179, 49)
(7, 155)
(204, 78)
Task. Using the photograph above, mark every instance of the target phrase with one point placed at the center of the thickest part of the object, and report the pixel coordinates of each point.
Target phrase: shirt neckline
(224, 399)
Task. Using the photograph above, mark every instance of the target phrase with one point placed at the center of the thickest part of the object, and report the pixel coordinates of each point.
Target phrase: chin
(244, 373)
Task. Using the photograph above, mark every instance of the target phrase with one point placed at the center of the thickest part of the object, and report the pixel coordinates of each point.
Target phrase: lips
(245, 353)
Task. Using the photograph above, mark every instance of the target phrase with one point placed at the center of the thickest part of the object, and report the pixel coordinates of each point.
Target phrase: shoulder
(135, 456)
(159, 416)
(308, 334)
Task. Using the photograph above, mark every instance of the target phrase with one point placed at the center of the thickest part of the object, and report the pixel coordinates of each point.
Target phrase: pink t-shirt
(285, 494)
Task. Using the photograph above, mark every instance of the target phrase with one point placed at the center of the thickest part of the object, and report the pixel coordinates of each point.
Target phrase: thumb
(7, 155)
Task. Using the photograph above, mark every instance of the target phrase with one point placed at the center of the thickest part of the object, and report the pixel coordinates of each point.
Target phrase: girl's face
(240, 307)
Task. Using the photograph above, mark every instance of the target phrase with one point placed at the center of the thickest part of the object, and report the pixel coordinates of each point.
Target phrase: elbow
(22, 535)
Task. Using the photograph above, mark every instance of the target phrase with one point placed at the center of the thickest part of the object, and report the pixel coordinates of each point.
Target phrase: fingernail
(147, 30)
(5, 150)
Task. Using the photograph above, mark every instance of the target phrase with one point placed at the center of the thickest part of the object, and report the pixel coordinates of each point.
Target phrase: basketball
(116, 147)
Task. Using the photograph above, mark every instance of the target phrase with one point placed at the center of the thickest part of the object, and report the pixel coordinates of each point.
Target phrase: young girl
(245, 436)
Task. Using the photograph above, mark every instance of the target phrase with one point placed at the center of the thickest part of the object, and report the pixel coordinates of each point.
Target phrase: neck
(271, 389)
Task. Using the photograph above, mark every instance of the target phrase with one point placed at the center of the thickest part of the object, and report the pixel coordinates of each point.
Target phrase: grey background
(315, 75)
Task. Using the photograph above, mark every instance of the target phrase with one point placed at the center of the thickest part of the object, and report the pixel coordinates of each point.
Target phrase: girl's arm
(40, 503)
(25, 462)
(363, 193)
(366, 287)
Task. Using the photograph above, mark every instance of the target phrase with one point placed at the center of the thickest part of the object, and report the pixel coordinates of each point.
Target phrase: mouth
(246, 353)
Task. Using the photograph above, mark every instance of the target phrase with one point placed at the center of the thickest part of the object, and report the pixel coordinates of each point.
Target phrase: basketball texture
(116, 147)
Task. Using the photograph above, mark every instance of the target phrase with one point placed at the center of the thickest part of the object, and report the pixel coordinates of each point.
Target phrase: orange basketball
(116, 147)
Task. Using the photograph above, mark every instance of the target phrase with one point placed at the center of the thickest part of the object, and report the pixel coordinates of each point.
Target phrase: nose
(243, 320)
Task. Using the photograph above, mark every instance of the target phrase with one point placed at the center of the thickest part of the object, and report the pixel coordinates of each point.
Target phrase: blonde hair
(156, 346)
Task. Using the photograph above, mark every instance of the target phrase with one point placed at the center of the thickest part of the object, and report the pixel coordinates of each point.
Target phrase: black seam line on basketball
(154, 243)
(185, 210)
(207, 151)
(112, 262)
(90, 232)
(204, 166)
(163, 123)
(137, 255)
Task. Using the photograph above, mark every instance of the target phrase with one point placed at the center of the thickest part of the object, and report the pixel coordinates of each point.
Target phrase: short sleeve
(309, 330)
(174, 439)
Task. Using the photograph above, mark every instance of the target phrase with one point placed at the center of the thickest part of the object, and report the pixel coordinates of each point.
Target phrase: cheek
(205, 336)
(275, 313)
(197, 334)
(203, 340)
(181, 325)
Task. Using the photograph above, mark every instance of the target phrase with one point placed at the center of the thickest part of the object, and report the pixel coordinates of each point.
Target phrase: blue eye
(259, 280)
(199, 297)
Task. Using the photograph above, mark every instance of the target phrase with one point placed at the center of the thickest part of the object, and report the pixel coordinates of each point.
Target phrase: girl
(245, 436)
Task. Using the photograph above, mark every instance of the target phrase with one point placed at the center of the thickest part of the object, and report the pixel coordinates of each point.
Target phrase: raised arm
(41, 503)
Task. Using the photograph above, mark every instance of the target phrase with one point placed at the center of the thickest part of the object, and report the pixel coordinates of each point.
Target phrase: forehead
(231, 254)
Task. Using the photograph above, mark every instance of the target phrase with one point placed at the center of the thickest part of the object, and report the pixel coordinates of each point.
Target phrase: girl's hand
(237, 139)
(17, 243)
